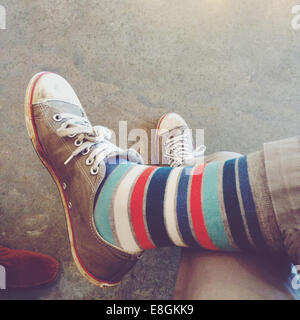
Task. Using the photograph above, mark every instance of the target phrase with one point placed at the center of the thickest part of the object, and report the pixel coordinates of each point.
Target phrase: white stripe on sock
(170, 208)
(123, 224)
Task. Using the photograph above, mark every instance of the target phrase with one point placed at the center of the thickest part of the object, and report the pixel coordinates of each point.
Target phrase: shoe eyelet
(89, 162)
(70, 205)
(72, 135)
(57, 117)
(77, 143)
(64, 186)
(94, 171)
(85, 151)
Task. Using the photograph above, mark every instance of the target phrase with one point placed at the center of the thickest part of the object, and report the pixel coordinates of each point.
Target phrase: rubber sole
(31, 129)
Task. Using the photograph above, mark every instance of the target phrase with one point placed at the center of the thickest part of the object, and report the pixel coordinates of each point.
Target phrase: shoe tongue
(187, 141)
(66, 107)
(189, 161)
(176, 131)
(128, 155)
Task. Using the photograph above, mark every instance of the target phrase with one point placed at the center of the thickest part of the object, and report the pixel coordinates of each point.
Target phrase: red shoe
(27, 269)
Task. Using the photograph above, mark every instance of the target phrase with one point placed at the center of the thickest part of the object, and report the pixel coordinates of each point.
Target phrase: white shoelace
(179, 150)
(87, 137)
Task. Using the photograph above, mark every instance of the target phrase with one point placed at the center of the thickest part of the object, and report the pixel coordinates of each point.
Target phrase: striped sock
(217, 206)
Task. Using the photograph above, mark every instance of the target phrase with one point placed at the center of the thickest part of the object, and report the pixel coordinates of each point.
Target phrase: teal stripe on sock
(211, 209)
(103, 205)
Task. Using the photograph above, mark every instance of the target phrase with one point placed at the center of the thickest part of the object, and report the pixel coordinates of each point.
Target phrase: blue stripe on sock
(249, 205)
(211, 208)
(182, 209)
(232, 206)
(155, 207)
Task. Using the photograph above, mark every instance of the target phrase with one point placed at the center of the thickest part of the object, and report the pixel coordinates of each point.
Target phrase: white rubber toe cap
(51, 86)
(170, 121)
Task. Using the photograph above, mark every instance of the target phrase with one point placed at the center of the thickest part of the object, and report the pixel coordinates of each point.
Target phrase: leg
(220, 206)
(231, 276)
(227, 276)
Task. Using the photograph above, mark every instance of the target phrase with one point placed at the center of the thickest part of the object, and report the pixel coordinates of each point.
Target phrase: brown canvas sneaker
(74, 152)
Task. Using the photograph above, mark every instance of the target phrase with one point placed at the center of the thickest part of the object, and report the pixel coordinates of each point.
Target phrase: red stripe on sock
(137, 209)
(197, 211)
